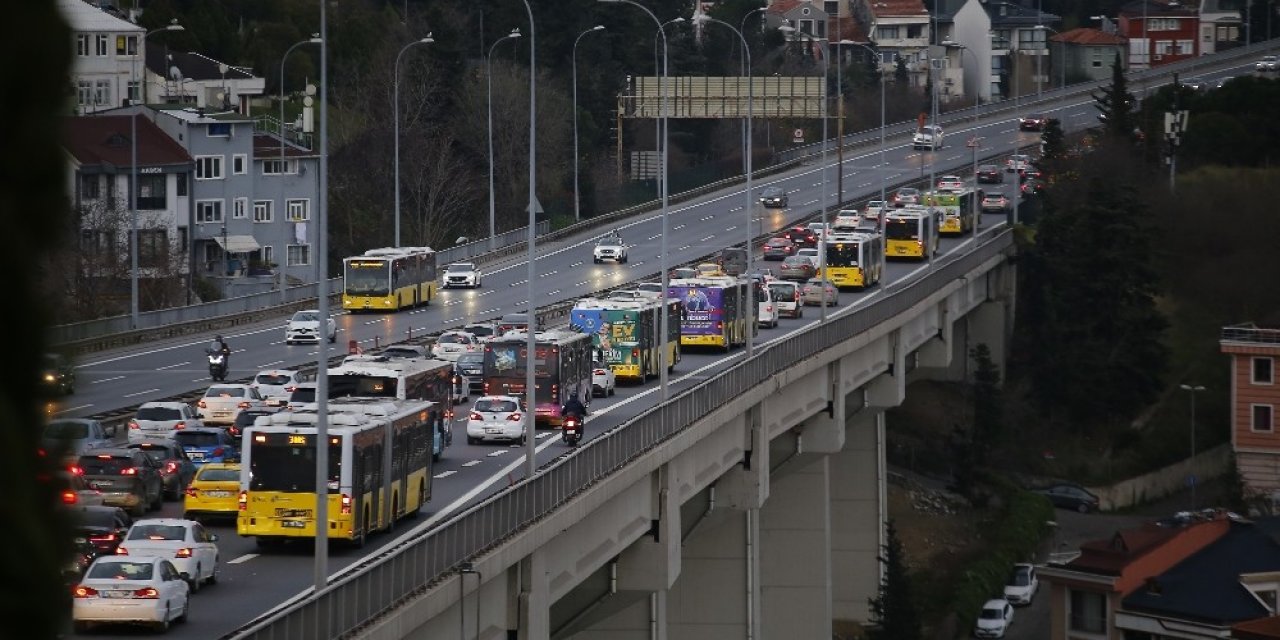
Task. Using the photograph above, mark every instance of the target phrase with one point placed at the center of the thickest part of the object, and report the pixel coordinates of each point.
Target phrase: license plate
(293, 524)
(218, 494)
(115, 594)
(493, 430)
(195, 455)
(221, 414)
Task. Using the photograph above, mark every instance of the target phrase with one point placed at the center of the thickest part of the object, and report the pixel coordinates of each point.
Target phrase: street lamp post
(742, 29)
(282, 261)
(577, 214)
(750, 206)
(1062, 64)
(663, 357)
(660, 125)
(133, 176)
(488, 67)
(975, 143)
(321, 569)
(396, 118)
(531, 449)
(1193, 390)
(883, 202)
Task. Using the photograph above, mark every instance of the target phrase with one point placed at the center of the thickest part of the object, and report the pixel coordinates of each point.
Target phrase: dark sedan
(801, 236)
(990, 174)
(1070, 496)
(773, 197)
(779, 249)
(176, 467)
(101, 527)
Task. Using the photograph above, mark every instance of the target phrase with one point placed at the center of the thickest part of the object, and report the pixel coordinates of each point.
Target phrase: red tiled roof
(1112, 555)
(782, 6)
(99, 140)
(848, 28)
(1086, 36)
(1260, 629)
(886, 8)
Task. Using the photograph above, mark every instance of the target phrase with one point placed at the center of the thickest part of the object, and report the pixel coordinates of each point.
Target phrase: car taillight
(598, 372)
(69, 497)
(243, 405)
(346, 504)
(768, 307)
(289, 389)
(170, 467)
(84, 592)
(133, 424)
(184, 552)
(486, 388)
(110, 537)
(219, 452)
(242, 502)
(202, 405)
(192, 492)
(75, 470)
(122, 551)
(129, 471)
(179, 426)
(475, 416)
(146, 593)
(514, 417)
(233, 431)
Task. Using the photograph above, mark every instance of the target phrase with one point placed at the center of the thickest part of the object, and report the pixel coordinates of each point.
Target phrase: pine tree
(1115, 104)
(988, 408)
(900, 74)
(1052, 142)
(893, 611)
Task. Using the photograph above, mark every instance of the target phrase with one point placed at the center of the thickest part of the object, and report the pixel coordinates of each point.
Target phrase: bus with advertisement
(363, 493)
(958, 209)
(911, 232)
(389, 279)
(854, 260)
(391, 378)
(562, 369)
(627, 334)
(715, 311)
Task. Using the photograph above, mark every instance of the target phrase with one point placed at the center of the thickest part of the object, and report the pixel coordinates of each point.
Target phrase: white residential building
(106, 63)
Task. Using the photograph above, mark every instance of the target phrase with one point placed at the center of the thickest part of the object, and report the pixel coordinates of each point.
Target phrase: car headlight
(49, 377)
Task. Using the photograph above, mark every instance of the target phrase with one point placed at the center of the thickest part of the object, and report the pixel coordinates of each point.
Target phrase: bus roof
(385, 366)
(397, 252)
(287, 421)
(907, 214)
(550, 336)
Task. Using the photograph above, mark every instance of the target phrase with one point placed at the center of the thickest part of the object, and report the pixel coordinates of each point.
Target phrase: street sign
(797, 136)
(972, 143)
(537, 207)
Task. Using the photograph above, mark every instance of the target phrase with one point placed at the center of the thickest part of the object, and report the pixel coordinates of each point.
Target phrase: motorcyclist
(220, 346)
(573, 406)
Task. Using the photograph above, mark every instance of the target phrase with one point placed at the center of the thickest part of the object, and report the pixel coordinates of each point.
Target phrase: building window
(297, 210)
(153, 247)
(218, 130)
(262, 211)
(268, 254)
(208, 211)
(135, 92)
(208, 167)
(182, 184)
(279, 167)
(1184, 47)
(102, 92)
(84, 93)
(1262, 416)
(82, 45)
(832, 7)
(126, 45)
(1263, 371)
(240, 208)
(98, 243)
(90, 186)
(299, 255)
(1088, 612)
(1164, 47)
(100, 45)
(887, 33)
(1162, 24)
(1031, 36)
(152, 195)
(238, 163)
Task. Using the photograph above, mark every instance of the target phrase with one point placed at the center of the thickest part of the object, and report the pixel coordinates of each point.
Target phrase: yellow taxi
(213, 492)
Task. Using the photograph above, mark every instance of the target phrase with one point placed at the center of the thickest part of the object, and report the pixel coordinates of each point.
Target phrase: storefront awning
(237, 244)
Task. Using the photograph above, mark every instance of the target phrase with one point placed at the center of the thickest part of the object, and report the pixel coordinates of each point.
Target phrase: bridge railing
(390, 578)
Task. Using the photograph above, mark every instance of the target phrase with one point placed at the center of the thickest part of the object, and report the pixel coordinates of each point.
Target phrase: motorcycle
(571, 432)
(217, 366)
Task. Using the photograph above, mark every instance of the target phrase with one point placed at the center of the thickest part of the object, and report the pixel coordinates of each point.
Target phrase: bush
(205, 290)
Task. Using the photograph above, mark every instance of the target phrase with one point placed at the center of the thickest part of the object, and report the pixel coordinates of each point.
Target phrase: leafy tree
(1052, 142)
(1115, 104)
(893, 611)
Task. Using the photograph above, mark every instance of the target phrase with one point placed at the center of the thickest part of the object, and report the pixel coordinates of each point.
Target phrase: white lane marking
(444, 474)
(107, 380)
(83, 406)
(683, 248)
(494, 454)
(727, 229)
(138, 393)
(580, 284)
(244, 558)
(471, 463)
(173, 366)
(655, 237)
(577, 264)
(271, 364)
(197, 379)
(552, 293)
(706, 238)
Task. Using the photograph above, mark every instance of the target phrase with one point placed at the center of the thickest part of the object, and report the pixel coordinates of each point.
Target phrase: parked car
(799, 268)
(496, 418)
(158, 420)
(989, 174)
(786, 296)
(995, 203)
(127, 478)
(773, 197)
(461, 274)
(221, 402)
(1070, 496)
(1022, 585)
(994, 619)
(274, 385)
(452, 344)
(820, 292)
(304, 326)
(778, 248)
(102, 527)
(207, 444)
(124, 590)
(603, 380)
(75, 436)
(176, 468)
(57, 375)
(185, 543)
(214, 492)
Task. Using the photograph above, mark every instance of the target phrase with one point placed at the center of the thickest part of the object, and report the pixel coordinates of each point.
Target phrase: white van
(767, 315)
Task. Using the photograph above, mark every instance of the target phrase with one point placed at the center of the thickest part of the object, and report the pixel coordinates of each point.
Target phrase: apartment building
(106, 64)
(1255, 396)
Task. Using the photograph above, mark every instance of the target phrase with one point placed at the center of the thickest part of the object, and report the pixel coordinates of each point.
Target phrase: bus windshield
(508, 360)
(277, 465)
(842, 254)
(902, 229)
(367, 277)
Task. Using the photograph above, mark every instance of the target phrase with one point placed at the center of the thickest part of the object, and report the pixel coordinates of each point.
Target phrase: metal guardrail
(384, 581)
(1250, 333)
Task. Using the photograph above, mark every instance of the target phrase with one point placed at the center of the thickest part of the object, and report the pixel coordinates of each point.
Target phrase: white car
(461, 274)
(1017, 162)
(609, 247)
(1267, 63)
(603, 381)
(786, 298)
(223, 402)
(766, 312)
(950, 183)
(497, 418)
(994, 619)
(275, 385)
(483, 331)
(452, 344)
(1022, 585)
(819, 230)
(185, 543)
(304, 326)
(127, 590)
(927, 137)
(158, 421)
(847, 219)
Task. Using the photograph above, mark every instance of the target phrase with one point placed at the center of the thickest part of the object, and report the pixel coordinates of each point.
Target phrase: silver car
(820, 292)
(223, 402)
(158, 421)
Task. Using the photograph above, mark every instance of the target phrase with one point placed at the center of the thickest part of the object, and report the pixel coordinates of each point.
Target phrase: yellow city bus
(389, 279)
(959, 211)
(277, 498)
(911, 232)
(854, 259)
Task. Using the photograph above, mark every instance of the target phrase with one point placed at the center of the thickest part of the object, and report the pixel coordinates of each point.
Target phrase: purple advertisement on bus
(703, 309)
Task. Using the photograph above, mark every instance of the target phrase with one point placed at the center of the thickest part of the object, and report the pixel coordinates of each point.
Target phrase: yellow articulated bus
(363, 494)
(389, 279)
(911, 232)
(959, 210)
(854, 260)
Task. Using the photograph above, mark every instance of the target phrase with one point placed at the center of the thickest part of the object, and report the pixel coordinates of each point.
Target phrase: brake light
(202, 405)
(133, 424)
(193, 492)
(486, 388)
(75, 470)
(147, 593)
(290, 389)
(170, 467)
(242, 502)
(129, 471)
(69, 497)
(243, 405)
(219, 452)
(84, 592)
(180, 426)
(514, 417)
(121, 551)
(184, 552)
(110, 537)
(346, 504)
(598, 372)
